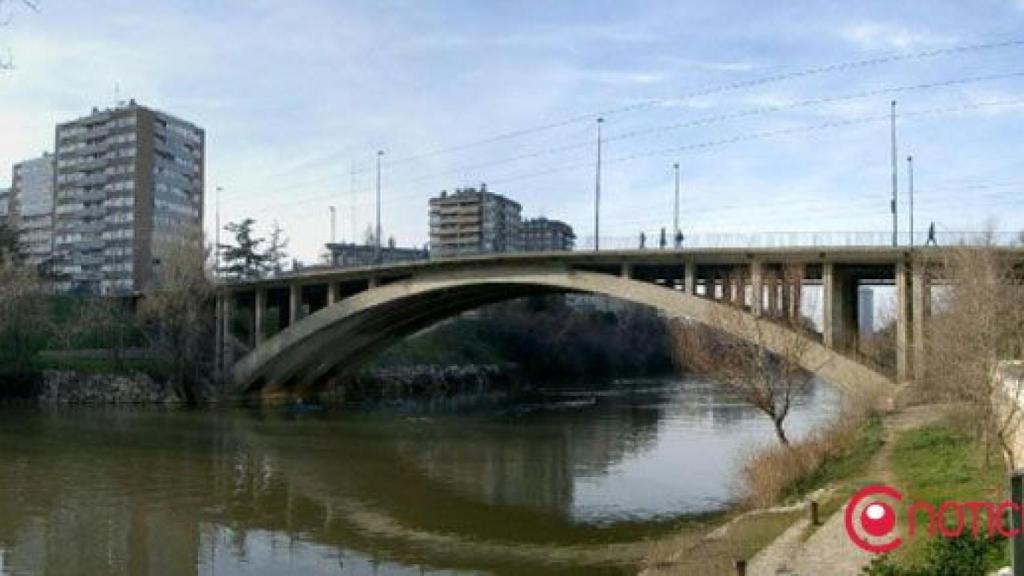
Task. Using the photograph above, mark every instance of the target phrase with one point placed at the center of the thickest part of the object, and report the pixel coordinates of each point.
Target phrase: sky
(776, 112)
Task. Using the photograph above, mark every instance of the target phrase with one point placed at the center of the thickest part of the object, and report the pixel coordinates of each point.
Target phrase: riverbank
(927, 453)
(744, 532)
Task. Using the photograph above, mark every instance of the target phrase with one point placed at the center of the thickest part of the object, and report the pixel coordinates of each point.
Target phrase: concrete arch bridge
(308, 327)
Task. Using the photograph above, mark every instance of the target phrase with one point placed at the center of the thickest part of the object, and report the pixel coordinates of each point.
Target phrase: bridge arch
(352, 330)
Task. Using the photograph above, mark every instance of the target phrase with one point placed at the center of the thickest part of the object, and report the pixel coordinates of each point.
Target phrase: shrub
(964, 555)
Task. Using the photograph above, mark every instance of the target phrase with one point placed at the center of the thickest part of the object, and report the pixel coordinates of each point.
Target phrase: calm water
(570, 486)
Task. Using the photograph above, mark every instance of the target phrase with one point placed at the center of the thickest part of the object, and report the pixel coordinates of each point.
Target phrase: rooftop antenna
(333, 227)
(352, 193)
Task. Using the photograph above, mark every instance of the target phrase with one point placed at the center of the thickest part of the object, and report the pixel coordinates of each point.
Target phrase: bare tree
(6, 15)
(276, 254)
(768, 381)
(976, 326)
(177, 307)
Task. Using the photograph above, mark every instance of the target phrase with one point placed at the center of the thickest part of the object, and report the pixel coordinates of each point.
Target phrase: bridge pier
(757, 288)
(294, 303)
(772, 286)
(259, 307)
(921, 305)
(903, 313)
(840, 308)
(690, 277)
(332, 294)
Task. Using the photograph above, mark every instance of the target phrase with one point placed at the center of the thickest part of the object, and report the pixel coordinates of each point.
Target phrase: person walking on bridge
(643, 240)
(663, 242)
(931, 236)
(679, 238)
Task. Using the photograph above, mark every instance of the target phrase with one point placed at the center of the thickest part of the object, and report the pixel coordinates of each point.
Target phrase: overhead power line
(709, 91)
(721, 89)
(694, 147)
(697, 122)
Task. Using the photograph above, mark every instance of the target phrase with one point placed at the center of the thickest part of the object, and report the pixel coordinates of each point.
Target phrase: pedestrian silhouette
(643, 240)
(679, 239)
(662, 242)
(931, 236)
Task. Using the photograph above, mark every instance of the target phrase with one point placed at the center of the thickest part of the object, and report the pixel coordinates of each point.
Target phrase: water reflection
(512, 491)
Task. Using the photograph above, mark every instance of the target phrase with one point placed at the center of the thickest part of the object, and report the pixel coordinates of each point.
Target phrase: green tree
(243, 259)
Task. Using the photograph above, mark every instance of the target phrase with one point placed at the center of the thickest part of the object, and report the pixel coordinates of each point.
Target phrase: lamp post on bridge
(376, 250)
(597, 191)
(910, 190)
(675, 210)
(892, 129)
(216, 247)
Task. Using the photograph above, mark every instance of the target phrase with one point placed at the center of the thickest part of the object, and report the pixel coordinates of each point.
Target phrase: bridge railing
(652, 241)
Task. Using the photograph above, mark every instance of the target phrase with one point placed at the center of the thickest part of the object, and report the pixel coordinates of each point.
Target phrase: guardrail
(653, 240)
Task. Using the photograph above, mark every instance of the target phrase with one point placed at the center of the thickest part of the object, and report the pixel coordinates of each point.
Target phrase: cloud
(875, 35)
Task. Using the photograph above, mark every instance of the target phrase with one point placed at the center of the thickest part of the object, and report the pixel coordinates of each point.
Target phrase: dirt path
(828, 550)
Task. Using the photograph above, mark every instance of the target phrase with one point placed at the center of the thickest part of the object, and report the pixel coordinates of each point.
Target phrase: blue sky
(293, 94)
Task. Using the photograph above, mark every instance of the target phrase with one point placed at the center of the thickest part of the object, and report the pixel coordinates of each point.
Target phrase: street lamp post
(675, 210)
(910, 190)
(377, 254)
(597, 191)
(216, 223)
(892, 126)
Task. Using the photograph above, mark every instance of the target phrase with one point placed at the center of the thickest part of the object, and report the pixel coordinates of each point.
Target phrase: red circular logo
(876, 518)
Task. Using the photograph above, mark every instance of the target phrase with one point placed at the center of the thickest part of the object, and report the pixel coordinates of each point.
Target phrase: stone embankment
(67, 387)
(424, 382)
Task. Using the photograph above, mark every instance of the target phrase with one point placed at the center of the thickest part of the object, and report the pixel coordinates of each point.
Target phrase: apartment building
(31, 207)
(543, 235)
(474, 221)
(128, 183)
(5, 204)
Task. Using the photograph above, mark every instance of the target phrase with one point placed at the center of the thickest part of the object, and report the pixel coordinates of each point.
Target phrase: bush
(964, 555)
(777, 472)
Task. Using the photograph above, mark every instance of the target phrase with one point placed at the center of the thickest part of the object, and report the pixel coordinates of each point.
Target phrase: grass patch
(940, 462)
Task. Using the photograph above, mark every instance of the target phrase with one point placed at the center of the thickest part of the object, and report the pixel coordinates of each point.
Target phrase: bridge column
(218, 339)
(832, 325)
(226, 352)
(773, 294)
(627, 270)
(259, 304)
(757, 287)
(902, 321)
(737, 285)
(921, 302)
(690, 277)
(331, 294)
(796, 278)
(294, 303)
(840, 318)
(785, 296)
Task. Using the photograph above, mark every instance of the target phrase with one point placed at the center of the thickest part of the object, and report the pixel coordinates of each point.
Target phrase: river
(572, 484)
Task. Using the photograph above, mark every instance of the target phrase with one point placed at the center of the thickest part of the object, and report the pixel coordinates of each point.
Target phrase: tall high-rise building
(543, 235)
(32, 207)
(128, 184)
(472, 221)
